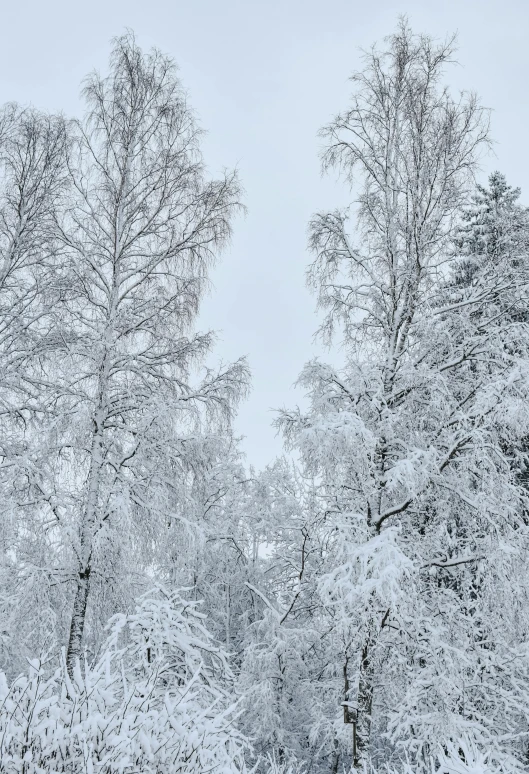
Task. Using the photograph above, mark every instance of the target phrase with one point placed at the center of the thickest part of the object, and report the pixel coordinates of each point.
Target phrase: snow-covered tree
(408, 441)
(495, 232)
(142, 227)
(32, 187)
(492, 225)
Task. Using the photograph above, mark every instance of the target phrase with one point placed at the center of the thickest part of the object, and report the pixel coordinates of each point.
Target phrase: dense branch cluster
(164, 609)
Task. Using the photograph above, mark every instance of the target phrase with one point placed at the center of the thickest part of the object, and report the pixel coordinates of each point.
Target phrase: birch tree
(143, 226)
(408, 441)
(33, 182)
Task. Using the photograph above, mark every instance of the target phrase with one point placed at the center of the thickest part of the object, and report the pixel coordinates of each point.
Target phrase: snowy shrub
(157, 700)
(463, 757)
(290, 767)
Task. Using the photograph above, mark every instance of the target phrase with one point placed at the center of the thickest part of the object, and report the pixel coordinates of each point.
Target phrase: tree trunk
(335, 761)
(75, 641)
(88, 530)
(365, 697)
(365, 702)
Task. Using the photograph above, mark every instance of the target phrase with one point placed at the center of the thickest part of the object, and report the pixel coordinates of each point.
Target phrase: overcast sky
(263, 76)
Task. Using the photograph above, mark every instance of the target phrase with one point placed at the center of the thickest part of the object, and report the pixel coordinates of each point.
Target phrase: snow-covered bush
(290, 767)
(157, 700)
(465, 757)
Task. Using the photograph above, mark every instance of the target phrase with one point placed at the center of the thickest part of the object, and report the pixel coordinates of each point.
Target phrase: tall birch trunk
(88, 532)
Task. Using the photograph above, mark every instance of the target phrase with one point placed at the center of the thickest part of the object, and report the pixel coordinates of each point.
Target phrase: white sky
(263, 76)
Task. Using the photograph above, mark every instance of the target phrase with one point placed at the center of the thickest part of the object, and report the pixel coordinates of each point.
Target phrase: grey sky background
(263, 76)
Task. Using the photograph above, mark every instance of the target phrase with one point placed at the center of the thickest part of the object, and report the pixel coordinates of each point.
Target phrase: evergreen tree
(492, 225)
